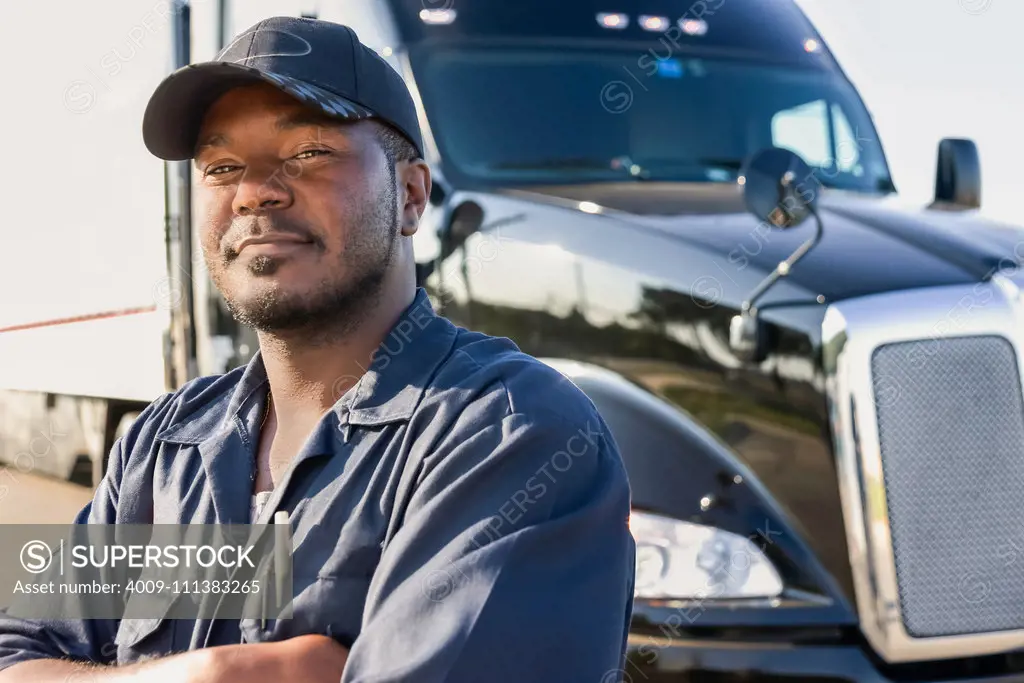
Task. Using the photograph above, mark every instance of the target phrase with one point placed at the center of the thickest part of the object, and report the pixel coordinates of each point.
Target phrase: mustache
(244, 227)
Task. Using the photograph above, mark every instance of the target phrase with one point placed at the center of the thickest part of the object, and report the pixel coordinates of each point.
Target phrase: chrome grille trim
(852, 330)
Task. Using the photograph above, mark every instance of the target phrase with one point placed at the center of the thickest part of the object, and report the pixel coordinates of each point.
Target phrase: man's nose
(261, 192)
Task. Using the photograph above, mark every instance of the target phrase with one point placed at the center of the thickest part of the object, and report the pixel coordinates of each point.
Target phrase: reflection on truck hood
(870, 244)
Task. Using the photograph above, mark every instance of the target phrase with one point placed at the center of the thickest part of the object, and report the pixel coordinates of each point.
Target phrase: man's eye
(220, 170)
(310, 153)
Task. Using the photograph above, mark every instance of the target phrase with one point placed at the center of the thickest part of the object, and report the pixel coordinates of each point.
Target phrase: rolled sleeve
(514, 560)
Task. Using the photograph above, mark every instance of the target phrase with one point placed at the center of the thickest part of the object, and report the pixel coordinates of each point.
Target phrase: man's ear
(414, 179)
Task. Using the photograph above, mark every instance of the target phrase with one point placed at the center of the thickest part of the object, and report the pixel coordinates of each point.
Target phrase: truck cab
(801, 408)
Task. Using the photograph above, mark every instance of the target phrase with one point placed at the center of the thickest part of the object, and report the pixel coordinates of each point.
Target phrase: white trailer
(88, 296)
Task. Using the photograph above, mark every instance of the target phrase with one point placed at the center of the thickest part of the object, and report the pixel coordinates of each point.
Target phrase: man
(459, 509)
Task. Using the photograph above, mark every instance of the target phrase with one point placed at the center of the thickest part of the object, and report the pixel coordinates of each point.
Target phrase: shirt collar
(388, 391)
(402, 367)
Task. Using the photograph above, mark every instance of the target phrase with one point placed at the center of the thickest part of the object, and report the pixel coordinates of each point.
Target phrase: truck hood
(870, 244)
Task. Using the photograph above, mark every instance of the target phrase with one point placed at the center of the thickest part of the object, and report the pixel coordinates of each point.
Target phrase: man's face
(301, 213)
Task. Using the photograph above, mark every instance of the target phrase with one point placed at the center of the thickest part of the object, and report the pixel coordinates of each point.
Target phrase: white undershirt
(259, 501)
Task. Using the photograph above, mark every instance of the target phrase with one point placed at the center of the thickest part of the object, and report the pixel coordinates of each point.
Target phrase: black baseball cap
(321, 63)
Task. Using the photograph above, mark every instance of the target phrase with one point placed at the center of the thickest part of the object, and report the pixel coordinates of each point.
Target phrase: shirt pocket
(322, 605)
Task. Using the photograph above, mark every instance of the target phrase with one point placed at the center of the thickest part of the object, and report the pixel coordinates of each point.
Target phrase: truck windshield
(506, 116)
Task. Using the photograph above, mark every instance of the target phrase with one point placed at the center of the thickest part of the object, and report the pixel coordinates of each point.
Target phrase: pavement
(37, 499)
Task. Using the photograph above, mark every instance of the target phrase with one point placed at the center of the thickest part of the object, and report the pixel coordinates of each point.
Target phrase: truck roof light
(693, 27)
(437, 16)
(616, 20)
(811, 45)
(650, 23)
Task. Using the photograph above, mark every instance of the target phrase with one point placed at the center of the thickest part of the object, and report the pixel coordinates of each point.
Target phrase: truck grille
(926, 407)
(951, 436)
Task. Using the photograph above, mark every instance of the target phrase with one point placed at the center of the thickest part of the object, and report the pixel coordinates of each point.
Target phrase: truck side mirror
(957, 175)
(464, 220)
(779, 187)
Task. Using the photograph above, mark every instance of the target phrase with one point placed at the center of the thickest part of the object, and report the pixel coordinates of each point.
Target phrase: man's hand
(312, 659)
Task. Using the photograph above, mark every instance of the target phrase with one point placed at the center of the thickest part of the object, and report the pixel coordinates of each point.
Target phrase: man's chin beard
(316, 317)
(263, 265)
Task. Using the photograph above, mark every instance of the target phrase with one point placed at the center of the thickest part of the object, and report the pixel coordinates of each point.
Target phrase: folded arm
(59, 651)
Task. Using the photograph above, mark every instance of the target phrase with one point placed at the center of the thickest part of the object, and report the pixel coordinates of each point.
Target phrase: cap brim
(175, 111)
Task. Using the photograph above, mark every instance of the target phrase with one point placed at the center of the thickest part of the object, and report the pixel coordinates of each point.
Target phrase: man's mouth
(273, 244)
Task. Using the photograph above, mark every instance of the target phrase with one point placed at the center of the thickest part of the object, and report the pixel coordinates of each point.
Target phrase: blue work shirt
(460, 514)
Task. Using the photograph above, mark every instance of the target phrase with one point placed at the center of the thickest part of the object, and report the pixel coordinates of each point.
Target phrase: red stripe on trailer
(79, 318)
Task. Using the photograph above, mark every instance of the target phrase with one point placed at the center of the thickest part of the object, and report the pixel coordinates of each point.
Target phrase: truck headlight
(676, 559)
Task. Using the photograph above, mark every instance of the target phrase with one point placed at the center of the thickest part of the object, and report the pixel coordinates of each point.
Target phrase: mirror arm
(745, 335)
(783, 269)
(502, 222)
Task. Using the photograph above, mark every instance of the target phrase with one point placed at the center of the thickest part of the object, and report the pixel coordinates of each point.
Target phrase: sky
(929, 69)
